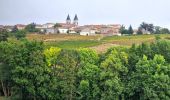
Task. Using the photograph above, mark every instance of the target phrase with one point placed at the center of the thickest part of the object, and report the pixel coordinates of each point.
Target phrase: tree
(66, 70)
(88, 75)
(161, 47)
(130, 30)
(7, 51)
(3, 35)
(150, 80)
(57, 25)
(14, 29)
(164, 31)
(112, 76)
(139, 31)
(31, 28)
(157, 30)
(88, 87)
(20, 34)
(30, 73)
(147, 27)
(51, 55)
(123, 30)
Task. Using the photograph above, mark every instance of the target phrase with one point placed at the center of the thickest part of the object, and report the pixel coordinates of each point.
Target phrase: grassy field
(95, 42)
(73, 44)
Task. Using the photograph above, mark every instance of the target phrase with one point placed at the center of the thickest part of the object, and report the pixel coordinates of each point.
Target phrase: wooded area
(29, 71)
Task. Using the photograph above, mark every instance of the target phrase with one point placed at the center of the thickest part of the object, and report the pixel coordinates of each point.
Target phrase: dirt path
(103, 47)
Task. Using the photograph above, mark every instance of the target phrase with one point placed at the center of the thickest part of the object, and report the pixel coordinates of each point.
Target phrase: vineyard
(99, 43)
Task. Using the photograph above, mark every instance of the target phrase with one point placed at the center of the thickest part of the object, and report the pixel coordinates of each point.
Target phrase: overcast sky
(89, 11)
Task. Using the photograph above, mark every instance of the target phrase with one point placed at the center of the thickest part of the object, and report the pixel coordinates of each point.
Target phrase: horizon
(129, 12)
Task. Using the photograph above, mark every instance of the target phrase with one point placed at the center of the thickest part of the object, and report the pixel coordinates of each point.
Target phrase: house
(135, 31)
(110, 30)
(145, 31)
(40, 27)
(63, 30)
(88, 32)
(48, 25)
(72, 31)
(1, 26)
(20, 26)
(9, 28)
(51, 30)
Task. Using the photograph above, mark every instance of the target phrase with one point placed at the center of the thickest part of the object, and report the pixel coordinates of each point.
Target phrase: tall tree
(66, 71)
(130, 30)
(88, 75)
(123, 30)
(147, 27)
(7, 51)
(113, 71)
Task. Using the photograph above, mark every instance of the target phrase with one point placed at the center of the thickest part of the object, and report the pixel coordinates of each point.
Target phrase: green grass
(139, 37)
(73, 44)
(77, 41)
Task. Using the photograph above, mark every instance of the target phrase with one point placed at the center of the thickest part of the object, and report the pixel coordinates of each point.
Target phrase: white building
(63, 30)
(87, 32)
(50, 30)
(48, 25)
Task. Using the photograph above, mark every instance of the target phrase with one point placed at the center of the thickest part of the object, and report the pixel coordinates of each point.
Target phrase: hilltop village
(71, 27)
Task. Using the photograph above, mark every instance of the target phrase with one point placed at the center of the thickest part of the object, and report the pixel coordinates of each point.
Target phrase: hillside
(99, 43)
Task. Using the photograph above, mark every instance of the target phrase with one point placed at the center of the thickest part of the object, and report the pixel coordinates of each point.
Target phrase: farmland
(98, 42)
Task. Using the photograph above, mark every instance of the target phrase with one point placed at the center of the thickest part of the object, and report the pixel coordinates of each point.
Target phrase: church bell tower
(75, 20)
(68, 20)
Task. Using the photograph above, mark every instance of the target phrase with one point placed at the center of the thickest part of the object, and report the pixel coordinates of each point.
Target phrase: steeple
(75, 20)
(68, 20)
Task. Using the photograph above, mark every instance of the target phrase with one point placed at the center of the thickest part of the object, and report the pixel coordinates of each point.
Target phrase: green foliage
(157, 37)
(57, 25)
(51, 55)
(88, 85)
(20, 34)
(3, 35)
(147, 27)
(66, 69)
(123, 30)
(73, 44)
(162, 47)
(14, 29)
(7, 50)
(139, 31)
(151, 79)
(30, 72)
(31, 28)
(130, 30)
(88, 56)
(164, 31)
(159, 30)
(113, 71)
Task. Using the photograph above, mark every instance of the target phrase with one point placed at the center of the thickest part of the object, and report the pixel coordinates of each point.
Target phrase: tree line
(29, 71)
(144, 28)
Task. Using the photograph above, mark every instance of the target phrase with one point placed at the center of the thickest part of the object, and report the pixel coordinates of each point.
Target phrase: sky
(126, 12)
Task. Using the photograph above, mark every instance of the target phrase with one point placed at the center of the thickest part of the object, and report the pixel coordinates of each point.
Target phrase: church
(75, 21)
(68, 26)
